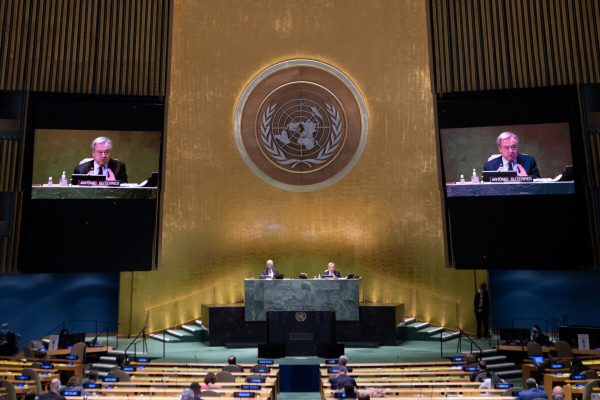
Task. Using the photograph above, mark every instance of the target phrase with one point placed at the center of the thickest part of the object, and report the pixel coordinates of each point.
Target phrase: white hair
(506, 135)
(101, 140)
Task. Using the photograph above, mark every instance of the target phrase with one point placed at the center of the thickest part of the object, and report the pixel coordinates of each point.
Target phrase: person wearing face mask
(481, 306)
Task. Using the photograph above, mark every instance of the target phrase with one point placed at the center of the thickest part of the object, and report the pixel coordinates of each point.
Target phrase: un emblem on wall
(301, 125)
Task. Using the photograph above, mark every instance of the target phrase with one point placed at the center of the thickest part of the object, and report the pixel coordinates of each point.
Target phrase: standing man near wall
(481, 305)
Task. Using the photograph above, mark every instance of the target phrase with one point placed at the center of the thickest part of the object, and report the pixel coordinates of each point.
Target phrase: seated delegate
(330, 272)
(102, 163)
(270, 271)
(510, 159)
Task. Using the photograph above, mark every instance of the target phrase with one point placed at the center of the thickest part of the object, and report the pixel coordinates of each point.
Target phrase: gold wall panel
(220, 222)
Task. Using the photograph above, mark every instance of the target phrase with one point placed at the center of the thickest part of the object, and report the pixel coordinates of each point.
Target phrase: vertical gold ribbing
(10, 165)
(112, 47)
(94, 46)
(504, 44)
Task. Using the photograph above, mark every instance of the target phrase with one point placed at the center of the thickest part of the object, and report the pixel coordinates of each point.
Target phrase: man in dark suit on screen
(510, 159)
(102, 163)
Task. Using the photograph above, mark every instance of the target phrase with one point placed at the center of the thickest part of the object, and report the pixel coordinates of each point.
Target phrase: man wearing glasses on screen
(101, 163)
(510, 159)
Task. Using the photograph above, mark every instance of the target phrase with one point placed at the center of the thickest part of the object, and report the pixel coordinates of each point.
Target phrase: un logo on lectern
(301, 125)
(300, 316)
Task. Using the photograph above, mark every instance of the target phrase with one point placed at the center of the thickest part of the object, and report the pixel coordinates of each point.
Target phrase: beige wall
(221, 222)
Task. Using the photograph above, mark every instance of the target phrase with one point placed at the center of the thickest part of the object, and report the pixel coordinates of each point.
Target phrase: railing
(81, 327)
(139, 338)
(459, 346)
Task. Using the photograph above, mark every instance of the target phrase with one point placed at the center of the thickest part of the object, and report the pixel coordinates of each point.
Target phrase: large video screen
(513, 191)
(93, 171)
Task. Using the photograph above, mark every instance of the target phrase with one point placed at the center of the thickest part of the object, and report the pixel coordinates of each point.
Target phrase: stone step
(418, 325)
(165, 338)
(182, 335)
(486, 352)
(130, 352)
(103, 366)
(193, 329)
(494, 359)
(501, 366)
(512, 373)
(101, 374)
(489, 351)
(407, 321)
(435, 330)
(450, 336)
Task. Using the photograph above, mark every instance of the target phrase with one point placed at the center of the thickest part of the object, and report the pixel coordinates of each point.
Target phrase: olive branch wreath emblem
(279, 156)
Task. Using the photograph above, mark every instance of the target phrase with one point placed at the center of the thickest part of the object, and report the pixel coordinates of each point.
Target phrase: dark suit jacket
(336, 273)
(338, 383)
(51, 396)
(116, 166)
(265, 272)
(486, 302)
(533, 393)
(525, 160)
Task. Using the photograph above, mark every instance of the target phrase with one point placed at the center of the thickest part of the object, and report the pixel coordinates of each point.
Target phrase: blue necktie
(510, 165)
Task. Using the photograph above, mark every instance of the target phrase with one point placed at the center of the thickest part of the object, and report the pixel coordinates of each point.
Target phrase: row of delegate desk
(170, 378)
(557, 376)
(34, 374)
(167, 381)
(434, 380)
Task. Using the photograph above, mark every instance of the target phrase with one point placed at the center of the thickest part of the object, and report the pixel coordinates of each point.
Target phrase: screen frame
(63, 111)
(512, 107)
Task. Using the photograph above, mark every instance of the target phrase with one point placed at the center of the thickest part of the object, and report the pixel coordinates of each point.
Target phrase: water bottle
(474, 178)
(50, 183)
(63, 179)
(462, 178)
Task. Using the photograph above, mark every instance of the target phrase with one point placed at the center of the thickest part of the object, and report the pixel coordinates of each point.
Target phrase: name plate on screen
(511, 179)
(99, 183)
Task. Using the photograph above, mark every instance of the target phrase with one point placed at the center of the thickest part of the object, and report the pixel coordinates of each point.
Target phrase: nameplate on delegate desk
(99, 183)
(518, 179)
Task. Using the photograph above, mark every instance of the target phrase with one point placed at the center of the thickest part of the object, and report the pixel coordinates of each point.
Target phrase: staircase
(498, 363)
(107, 363)
(411, 329)
(190, 332)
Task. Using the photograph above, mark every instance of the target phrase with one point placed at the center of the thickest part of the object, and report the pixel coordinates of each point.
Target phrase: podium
(301, 333)
(337, 295)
